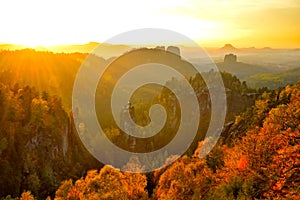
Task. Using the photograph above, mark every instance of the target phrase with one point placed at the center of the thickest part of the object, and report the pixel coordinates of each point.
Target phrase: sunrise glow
(33, 23)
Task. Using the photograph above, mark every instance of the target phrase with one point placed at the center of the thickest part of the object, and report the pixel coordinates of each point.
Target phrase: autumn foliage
(108, 183)
(262, 163)
(267, 160)
(257, 158)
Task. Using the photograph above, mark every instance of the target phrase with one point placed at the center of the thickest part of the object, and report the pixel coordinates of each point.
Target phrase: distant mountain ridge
(229, 48)
(11, 47)
(88, 47)
(104, 50)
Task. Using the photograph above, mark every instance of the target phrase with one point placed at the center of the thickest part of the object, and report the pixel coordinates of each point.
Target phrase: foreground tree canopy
(262, 162)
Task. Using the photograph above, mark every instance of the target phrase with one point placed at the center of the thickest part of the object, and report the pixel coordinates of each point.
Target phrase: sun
(211, 22)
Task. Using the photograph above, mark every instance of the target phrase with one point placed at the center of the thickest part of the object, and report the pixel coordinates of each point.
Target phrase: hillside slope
(275, 80)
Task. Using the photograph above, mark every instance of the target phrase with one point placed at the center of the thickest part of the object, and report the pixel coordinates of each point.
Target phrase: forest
(42, 156)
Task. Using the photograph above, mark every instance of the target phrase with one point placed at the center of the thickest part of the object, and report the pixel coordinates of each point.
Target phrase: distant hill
(228, 48)
(103, 50)
(10, 47)
(276, 80)
(82, 48)
(190, 52)
(239, 69)
(242, 70)
(258, 76)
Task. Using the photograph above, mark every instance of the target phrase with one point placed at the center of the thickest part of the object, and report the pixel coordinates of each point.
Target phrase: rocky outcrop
(174, 49)
(230, 58)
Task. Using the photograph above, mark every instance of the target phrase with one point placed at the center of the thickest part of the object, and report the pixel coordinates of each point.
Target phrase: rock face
(174, 49)
(161, 48)
(230, 58)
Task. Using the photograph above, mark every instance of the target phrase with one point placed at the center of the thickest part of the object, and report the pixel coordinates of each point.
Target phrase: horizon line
(23, 46)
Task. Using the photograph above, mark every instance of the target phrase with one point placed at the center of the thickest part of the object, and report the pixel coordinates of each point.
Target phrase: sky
(211, 23)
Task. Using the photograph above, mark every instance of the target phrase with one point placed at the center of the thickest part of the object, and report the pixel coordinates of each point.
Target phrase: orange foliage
(109, 183)
(184, 179)
(242, 164)
(26, 196)
(272, 153)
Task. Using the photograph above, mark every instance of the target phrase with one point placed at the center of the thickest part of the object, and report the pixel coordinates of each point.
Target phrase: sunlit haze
(272, 23)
